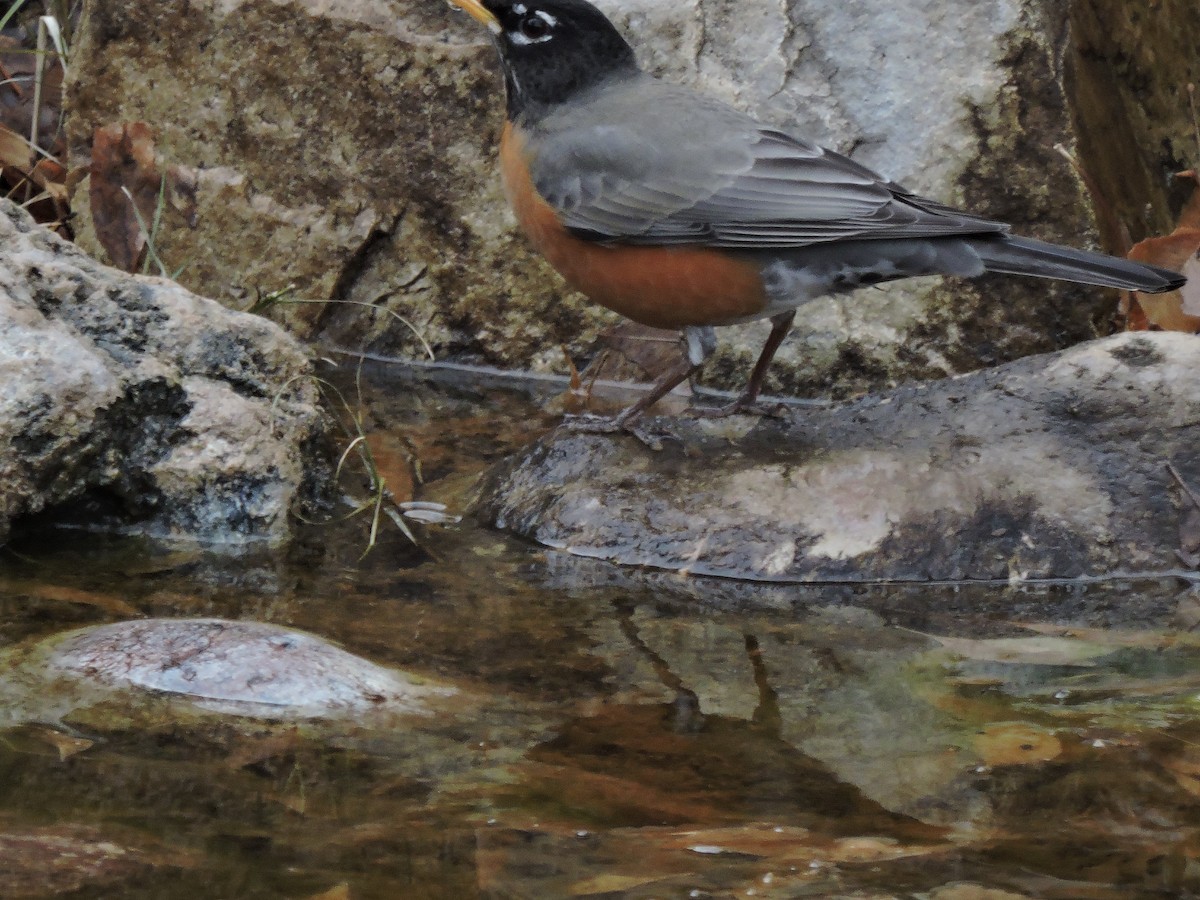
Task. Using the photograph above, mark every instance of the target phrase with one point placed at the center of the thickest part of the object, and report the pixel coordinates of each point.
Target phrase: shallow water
(614, 733)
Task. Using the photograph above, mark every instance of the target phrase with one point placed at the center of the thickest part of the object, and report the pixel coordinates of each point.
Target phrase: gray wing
(689, 170)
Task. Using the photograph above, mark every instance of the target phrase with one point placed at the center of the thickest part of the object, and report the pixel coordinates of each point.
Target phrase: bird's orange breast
(663, 287)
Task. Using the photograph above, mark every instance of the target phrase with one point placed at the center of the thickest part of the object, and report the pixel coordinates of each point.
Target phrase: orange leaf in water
(337, 892)
(1175, 310)
(1016, 744)
(123, 161)
(67, 745)
(393, 462)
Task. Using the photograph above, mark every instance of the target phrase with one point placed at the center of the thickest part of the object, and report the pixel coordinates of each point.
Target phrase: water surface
(613, 733)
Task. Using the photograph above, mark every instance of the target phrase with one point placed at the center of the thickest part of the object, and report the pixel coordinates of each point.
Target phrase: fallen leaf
(123, 158)
(51, 177)
(52, 861)
(18, 65)
(641, 353)
(337, 892)
(61, 594)
(67, 745)
(966, 890)
(1033, 651)
(1016, 744)
(612, 884)
(392, 457)
(1174, 310)
(14, 150)
(1113, 638)
(253, 751)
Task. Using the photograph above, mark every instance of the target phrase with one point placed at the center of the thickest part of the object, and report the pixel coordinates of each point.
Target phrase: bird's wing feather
(715, 177)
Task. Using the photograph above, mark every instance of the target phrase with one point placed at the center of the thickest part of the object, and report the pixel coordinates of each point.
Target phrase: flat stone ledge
(1055, 466)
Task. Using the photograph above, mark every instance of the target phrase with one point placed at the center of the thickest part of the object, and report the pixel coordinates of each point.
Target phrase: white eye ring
(524, 39)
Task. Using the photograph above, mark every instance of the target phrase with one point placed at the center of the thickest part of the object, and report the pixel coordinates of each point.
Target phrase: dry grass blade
(13, 9)
(1183, 485)
(278, 297)
(38, 73)
(380, 501)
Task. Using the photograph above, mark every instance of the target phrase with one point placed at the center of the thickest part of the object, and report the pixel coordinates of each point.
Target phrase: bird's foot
(593, 424)
(742, 407)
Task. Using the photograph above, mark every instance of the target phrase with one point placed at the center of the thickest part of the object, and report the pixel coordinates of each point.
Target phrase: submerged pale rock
(238, 667)
(1054, 466)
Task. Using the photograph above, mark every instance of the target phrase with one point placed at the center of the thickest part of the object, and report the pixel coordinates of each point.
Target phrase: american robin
(678, 211)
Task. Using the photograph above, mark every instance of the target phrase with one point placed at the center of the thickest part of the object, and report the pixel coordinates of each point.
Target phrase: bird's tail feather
(1025, 256)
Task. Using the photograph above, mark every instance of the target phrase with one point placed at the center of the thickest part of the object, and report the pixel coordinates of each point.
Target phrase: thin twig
(39, 67)
(11, 80)
(391, 312)
(1183, 485)
(1191, 89)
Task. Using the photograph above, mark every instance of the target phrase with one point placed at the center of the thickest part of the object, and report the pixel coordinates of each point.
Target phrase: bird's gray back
(639, 160)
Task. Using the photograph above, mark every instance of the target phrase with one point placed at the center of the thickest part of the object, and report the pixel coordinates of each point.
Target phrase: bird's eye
(535, 28)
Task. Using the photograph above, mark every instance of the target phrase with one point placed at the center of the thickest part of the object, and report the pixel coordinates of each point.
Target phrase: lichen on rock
(132, 404)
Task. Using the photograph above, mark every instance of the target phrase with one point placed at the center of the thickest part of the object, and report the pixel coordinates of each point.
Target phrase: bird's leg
(700, 343)
(780, 325)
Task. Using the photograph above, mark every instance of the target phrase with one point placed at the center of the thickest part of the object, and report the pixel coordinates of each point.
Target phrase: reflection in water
(614, 733)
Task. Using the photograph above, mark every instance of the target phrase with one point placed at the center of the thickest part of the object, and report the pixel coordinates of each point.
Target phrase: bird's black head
(551, 49)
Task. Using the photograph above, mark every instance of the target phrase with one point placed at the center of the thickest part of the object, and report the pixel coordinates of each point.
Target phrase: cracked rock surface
(1056, 466)
(348, 148)
(131, 404)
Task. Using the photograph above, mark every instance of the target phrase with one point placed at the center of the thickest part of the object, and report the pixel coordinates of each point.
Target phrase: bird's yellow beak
(478, 12)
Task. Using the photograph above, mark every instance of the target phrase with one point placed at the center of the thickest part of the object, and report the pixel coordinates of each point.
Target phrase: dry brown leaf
(1174, 310)
(613, 883)
(123, 157)
(253, 751)
(393, 462)
(51, 178)
(60, 594)
(14, 150)
(636, 353)
(965, 890)
(1030, 651)
(67, 745)
(337, 892)
(1016, 744)
(1114, 637)
(17, 67)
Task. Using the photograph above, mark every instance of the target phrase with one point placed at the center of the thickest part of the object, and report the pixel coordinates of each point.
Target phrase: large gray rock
(348, 148)
(1053, 466)
(131, 403)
